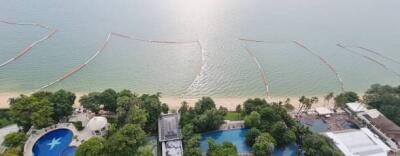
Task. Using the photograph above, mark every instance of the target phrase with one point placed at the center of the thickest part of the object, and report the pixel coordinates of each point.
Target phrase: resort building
(359, 142)
(382, 126)
(356, 107)
(170, 135)
(3, 132)
(388, 131)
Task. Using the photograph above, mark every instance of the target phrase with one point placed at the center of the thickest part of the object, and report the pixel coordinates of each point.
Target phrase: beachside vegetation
(264, 145)
(204, 116)
(5, 118)
(386, 99)
(346, 97)
(41, 109)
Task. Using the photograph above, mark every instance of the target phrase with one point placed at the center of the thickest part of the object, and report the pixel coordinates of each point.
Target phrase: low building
(98, 125)
(359, 142)
(169, 134)
(356, 107)
(384, 127)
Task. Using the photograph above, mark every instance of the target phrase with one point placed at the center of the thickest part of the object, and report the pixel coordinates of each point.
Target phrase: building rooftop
(360, 142)
(356, 107)
(168, 127)
(172, 148)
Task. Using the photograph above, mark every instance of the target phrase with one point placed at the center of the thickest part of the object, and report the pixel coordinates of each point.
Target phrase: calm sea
(226, 69)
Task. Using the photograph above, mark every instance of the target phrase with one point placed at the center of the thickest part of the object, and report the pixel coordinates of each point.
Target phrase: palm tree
(329, 96)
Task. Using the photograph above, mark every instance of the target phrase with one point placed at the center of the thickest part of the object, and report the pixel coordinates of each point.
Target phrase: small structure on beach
(356, 107)
(170, 135)
(323, 111)
(98, 125)
(362, 142)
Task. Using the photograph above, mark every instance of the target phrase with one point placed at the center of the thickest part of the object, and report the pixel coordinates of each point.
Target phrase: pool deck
(229, 125)
(78, 138)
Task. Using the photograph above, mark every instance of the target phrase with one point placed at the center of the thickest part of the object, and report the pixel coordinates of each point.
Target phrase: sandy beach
(175, 102)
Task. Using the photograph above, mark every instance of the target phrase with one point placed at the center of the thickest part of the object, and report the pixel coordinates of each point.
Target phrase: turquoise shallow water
(228, 71)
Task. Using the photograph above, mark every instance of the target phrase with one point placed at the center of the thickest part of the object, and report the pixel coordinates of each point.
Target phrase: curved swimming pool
(55, 143)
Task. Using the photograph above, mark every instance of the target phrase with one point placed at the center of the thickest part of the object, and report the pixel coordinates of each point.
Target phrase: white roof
(323, 111)
(373, 113)
(97, 123)
(7, 130)
(172, 148)
(356, 107)
(359, 142)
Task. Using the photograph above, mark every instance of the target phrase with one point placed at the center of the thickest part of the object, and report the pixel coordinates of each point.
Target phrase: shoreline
(174, 102)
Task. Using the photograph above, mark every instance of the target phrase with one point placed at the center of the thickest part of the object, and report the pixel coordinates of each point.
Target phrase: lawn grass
(233, 116)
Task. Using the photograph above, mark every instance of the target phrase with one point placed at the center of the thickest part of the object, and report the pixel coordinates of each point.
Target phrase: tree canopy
(224, 149)
(93, 147)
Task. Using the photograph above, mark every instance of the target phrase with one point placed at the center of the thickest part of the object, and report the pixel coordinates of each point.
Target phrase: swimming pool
(237, 137)
(317, 125)
(55, 143)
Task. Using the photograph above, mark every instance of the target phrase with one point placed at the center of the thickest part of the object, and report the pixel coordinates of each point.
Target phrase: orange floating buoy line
(29, 47)
(101, 49)
(331, 67)
(324, 61)
(261, 71)
(347, 48)
(378, 54)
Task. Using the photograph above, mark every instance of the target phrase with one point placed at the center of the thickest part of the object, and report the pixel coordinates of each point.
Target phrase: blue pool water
(317, 125)
(237, 137)
(289, 150)
(55, 143)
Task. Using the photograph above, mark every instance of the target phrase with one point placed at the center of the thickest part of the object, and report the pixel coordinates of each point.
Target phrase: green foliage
(78, 125)
(5, 118)
(137, 116)
(386, 99)
(225, 149)
(145, 151)
(346, 97)
(126, 140)
(62, 104)
(264, 145)
(107, 98)
(282, 134)
(192, 146)
(251, 136)
(209, 120)
(152, 105)
(41, 109)
(15, 151)
(204, 104)
(14, 139)
(251, 105)
(93, 147)
(164, 108)
(252, 120)
(319, 145)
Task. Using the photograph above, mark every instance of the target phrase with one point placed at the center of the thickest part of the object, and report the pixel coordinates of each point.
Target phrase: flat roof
(359, 142)
(356, 107)
(172, 148)
(323, 111)
(168, 127)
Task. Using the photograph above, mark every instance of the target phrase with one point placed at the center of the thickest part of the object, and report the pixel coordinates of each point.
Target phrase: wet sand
(175, 102)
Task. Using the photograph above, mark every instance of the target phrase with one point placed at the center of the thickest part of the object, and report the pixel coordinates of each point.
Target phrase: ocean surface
(221, 67)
